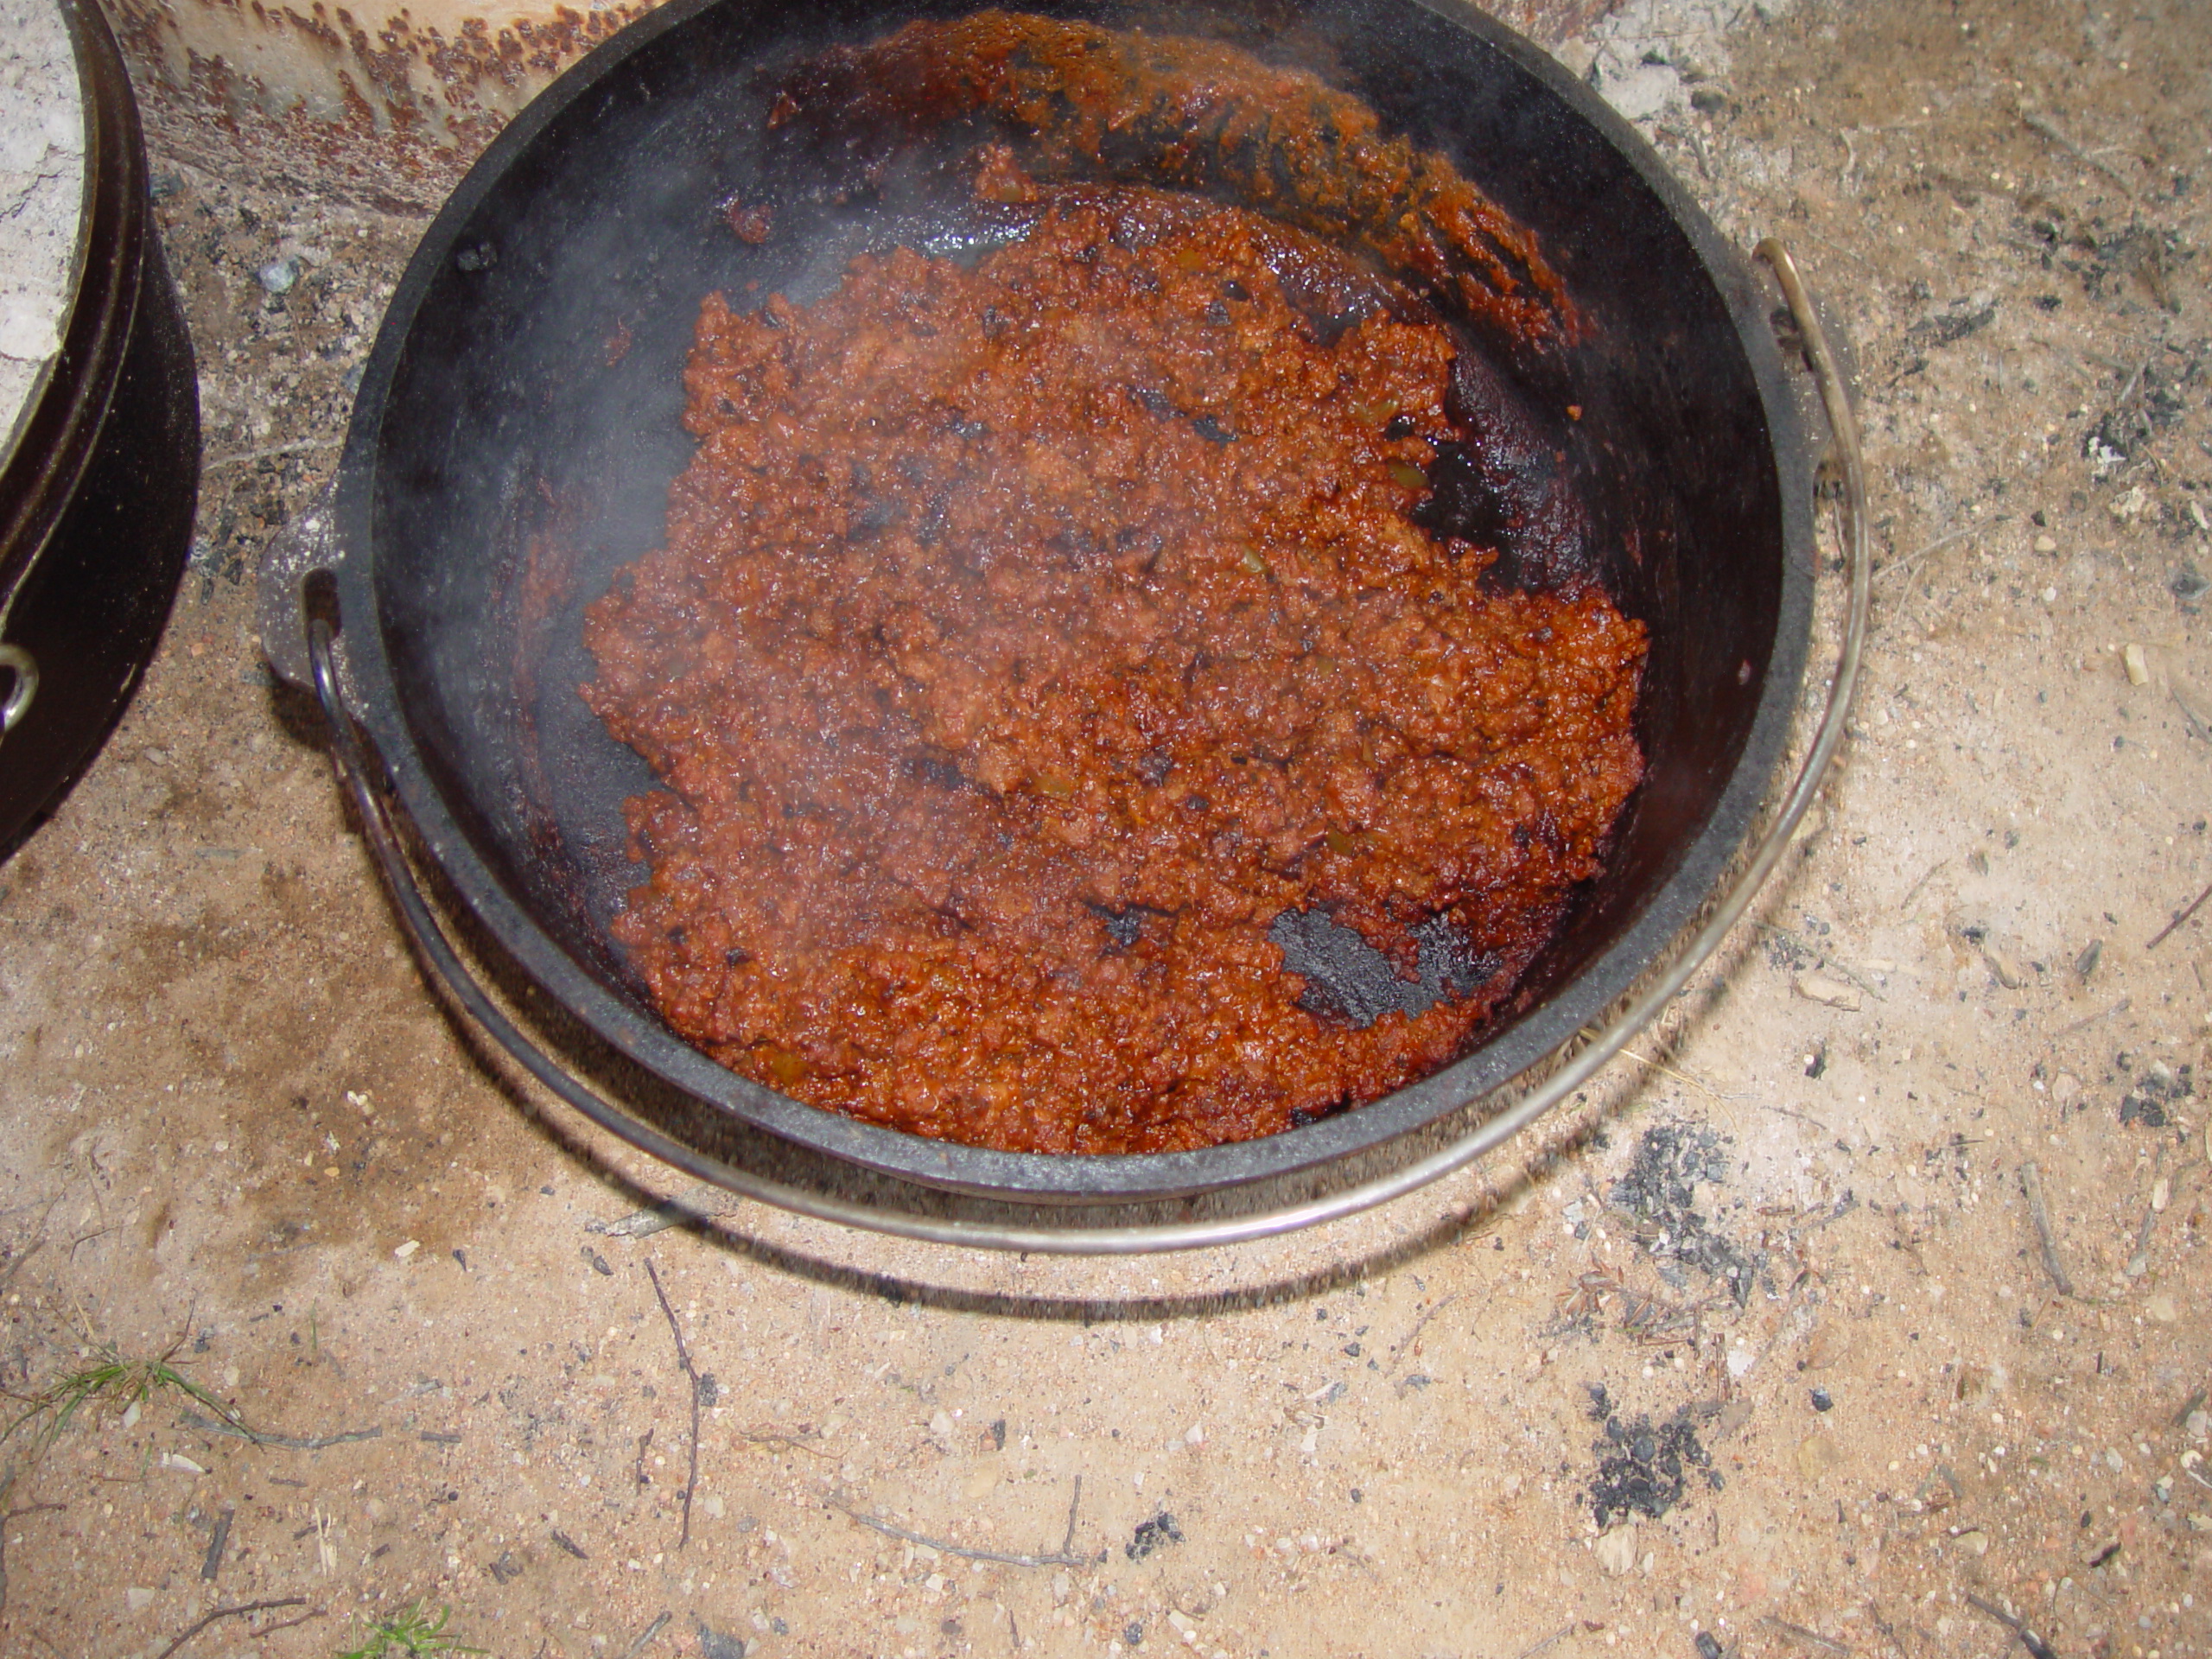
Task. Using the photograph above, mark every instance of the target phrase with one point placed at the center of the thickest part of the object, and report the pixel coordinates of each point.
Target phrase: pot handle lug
(20, 693)
(1498, 1116)
(307, 544)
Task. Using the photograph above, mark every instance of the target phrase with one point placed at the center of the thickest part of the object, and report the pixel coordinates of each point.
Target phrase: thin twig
(213, 1562)
(1075, 1498)
(297, 446)
(2042, 126)
(2196, 726)
(759, 1437)
(2181, 916)
(2031, 1184)
(309, 1617)
(1422, 1323)
(570, 1545)
(1799, 1633)
(2034, 1643)
(684, 1359)
(242, 1608)
(2088, 1019)
(1821, 958)
(1556, 1636)
(1940, 543)
(1064, 1556)
(1906, 902)
(1888, 1633)
(647, 1635)
(289, 1442)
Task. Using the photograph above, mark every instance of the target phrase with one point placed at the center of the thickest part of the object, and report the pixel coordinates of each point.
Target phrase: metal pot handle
(1595, 1046)
(24, 666)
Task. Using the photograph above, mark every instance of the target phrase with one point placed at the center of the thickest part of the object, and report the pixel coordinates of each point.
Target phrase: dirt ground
(1758, 1350)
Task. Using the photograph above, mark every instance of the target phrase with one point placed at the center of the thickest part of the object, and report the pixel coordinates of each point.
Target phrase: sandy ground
(1758, 1349)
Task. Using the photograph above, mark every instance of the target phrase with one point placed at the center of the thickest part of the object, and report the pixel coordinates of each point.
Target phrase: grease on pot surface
(1041, 649)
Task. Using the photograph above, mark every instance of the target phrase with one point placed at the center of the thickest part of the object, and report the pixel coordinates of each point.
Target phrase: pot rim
(44, 458)
(1080, 1180)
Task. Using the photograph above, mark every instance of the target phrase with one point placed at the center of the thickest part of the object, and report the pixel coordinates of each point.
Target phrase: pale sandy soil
(229, 1106)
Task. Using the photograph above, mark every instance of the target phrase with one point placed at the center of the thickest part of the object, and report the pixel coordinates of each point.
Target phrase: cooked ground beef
(1040, 646)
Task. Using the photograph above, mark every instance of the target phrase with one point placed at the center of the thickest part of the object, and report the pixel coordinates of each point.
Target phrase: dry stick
(2032, 1183)
(2180, 917)
(1420, 1324)
(299, 446)
(1906, 902)
(791, 1440)
(1937, 545)
(2034, 1643)
(1064, 1556)
(312, 1613)
(649, 1631)
(214, 1562)
(2196, 726)
(2088, 1019)
(244, 1607)
(1557, 1636)
(684, 1359)
(1884, 1627)
(1821, 958)
(1799, 1633)
(2041, 127)
(289, 1442)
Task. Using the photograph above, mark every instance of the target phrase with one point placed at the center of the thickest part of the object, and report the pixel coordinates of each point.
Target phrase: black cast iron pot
(517, 429)
(97, 490)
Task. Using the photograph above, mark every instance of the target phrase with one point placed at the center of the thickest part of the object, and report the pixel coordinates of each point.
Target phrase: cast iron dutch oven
(517, 429)
(97, 488)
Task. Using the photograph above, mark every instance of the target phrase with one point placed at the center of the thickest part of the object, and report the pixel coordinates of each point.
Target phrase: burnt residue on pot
(1183, 113)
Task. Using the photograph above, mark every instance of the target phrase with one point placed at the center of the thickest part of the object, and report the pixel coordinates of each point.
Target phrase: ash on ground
(2146, 1104)
(1671, 1162)
(1645, 1467)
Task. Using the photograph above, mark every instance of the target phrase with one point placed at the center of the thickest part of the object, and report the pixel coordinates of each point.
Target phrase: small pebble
(2044, 544)
(1823, 1401)
(1616, 1551)
(407, 1249)
(2139, 671)
(278, 275)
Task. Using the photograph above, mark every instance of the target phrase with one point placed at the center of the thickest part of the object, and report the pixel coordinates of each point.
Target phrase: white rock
(407, 1249)
(1643, 92)
(1740, 1360)
(1616, 1551)
(2139, 671)
(182, 1463)
(138, 1598)
(941, 1426)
